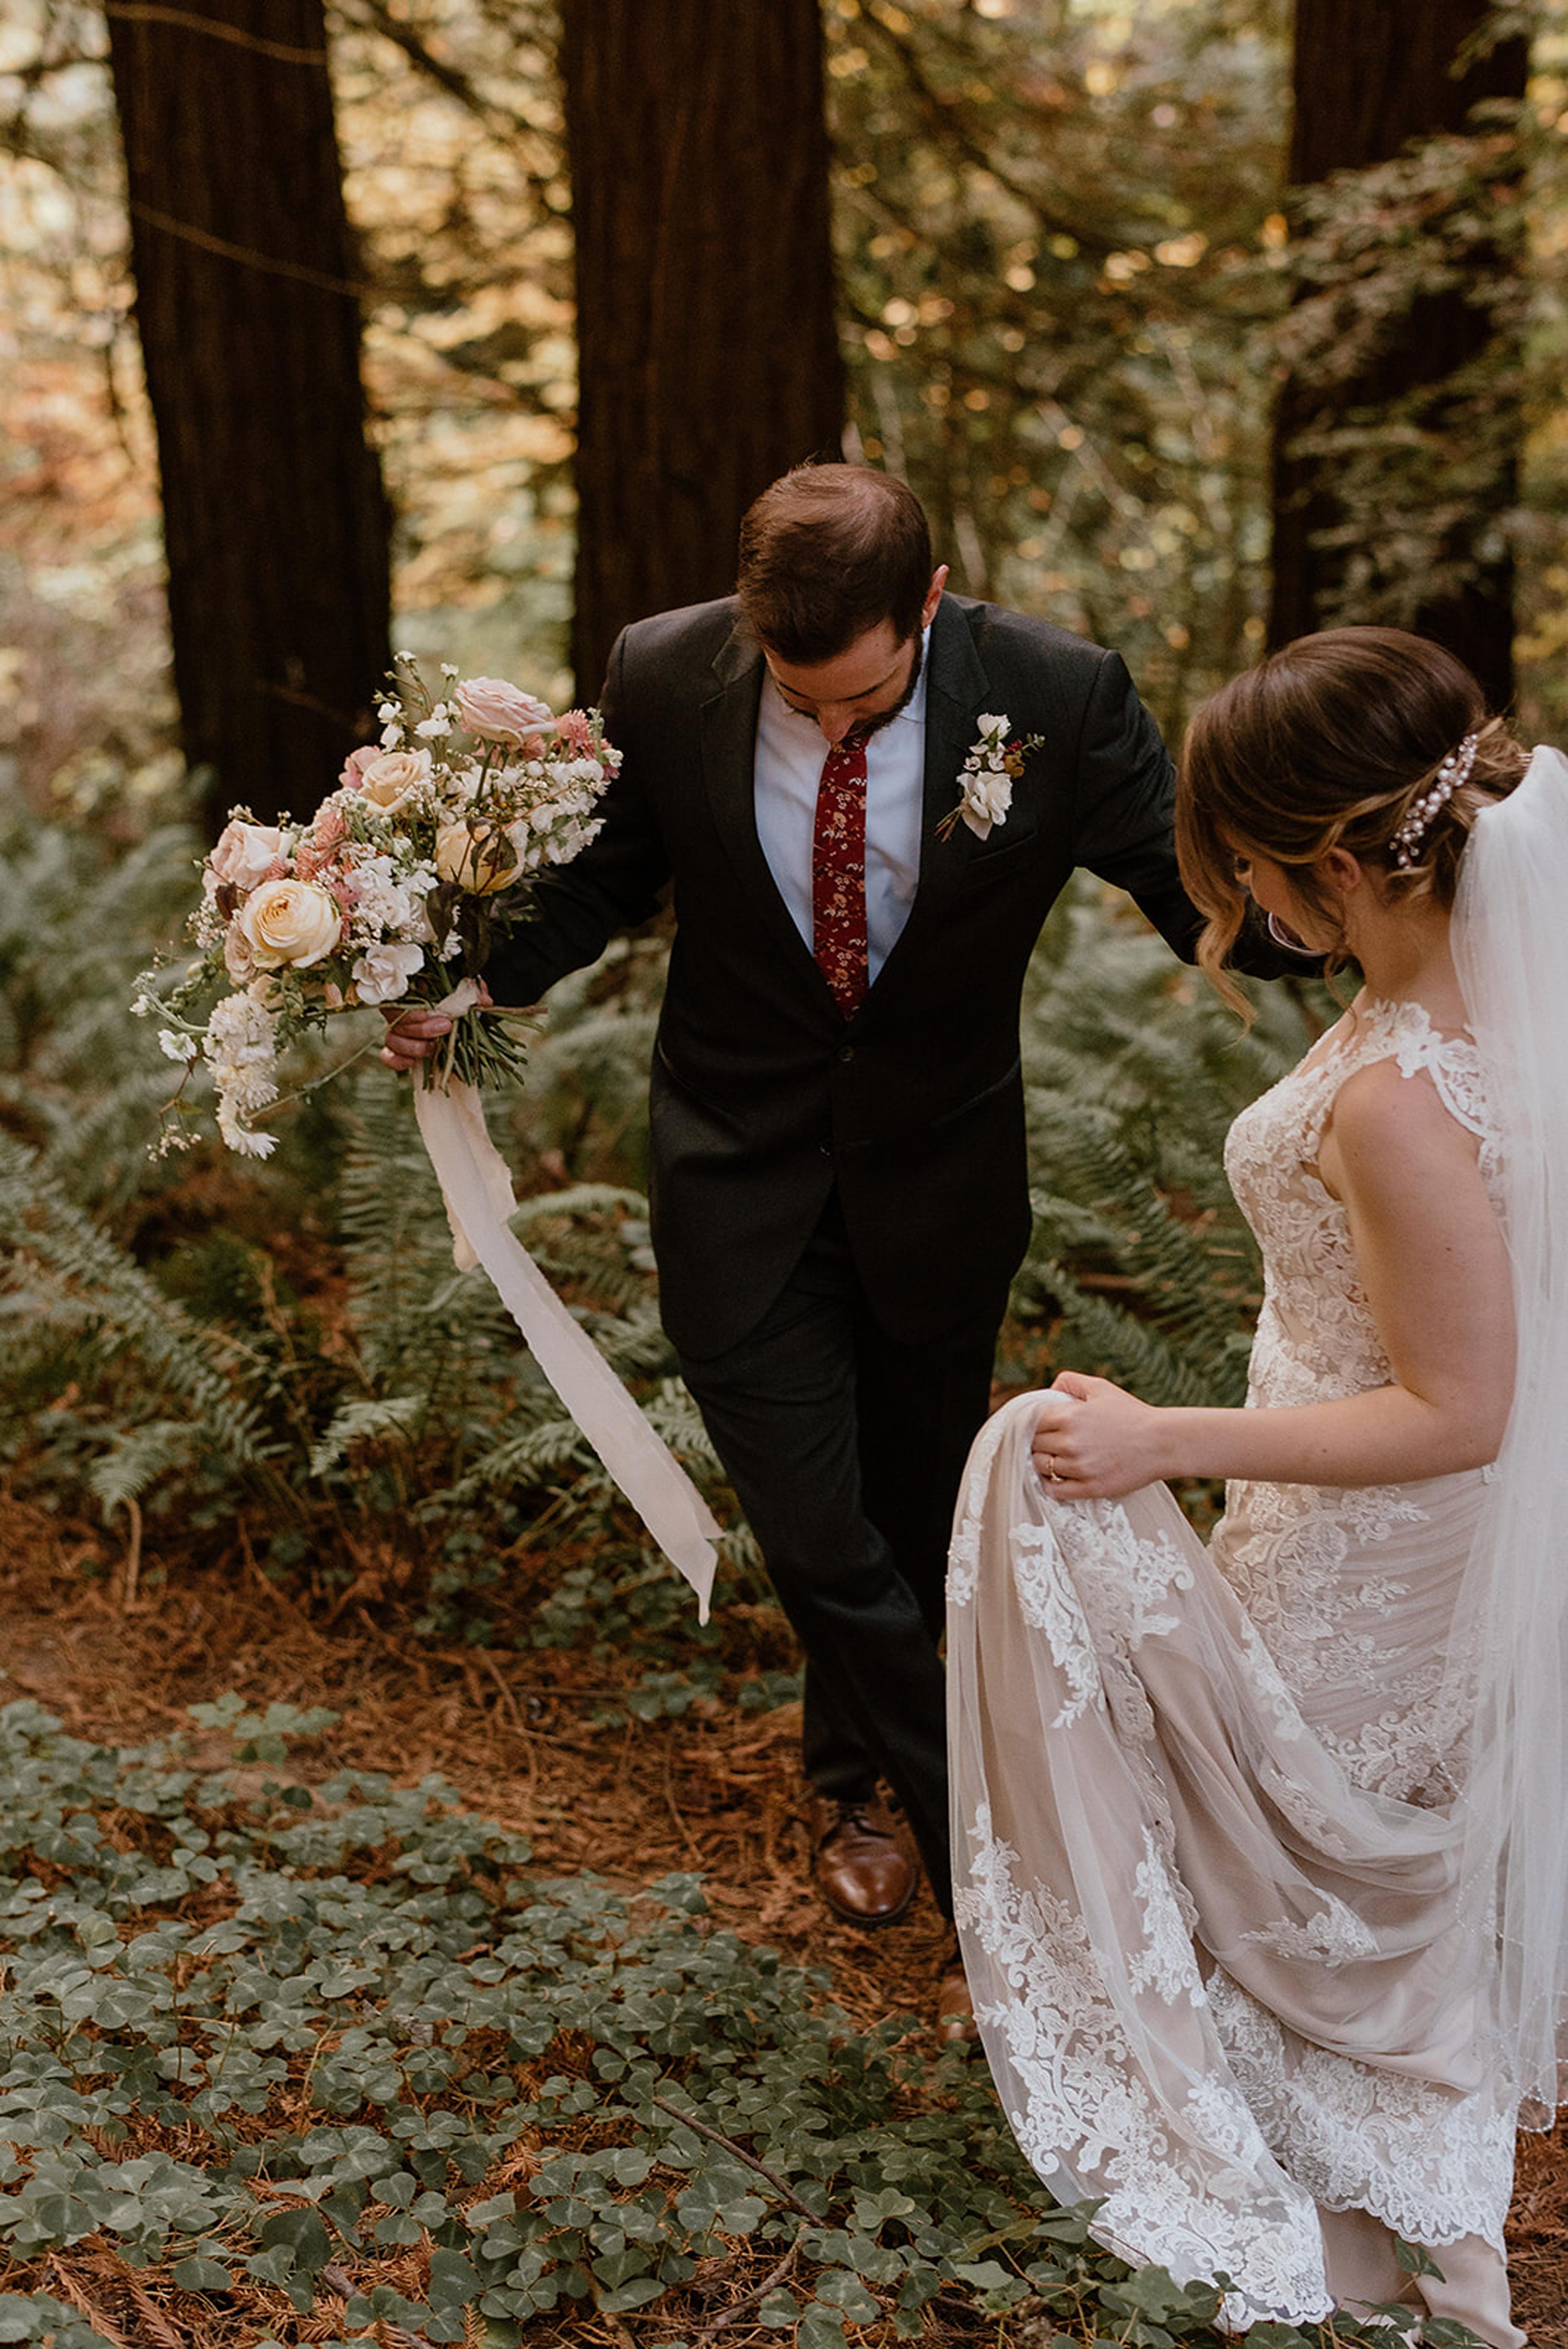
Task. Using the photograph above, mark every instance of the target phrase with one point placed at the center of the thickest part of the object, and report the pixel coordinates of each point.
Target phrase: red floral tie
(839, 875)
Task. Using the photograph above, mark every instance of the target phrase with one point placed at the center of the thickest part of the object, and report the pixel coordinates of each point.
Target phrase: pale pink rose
(498, 712)
(576, 731)
(393, 777)
(290, 922)
(353, 767)
(481, 864)
(245, 854)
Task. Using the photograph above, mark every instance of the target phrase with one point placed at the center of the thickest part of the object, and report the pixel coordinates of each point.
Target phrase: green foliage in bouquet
(280, 2049)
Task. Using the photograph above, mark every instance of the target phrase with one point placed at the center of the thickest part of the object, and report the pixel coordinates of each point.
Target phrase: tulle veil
(1510, 1659)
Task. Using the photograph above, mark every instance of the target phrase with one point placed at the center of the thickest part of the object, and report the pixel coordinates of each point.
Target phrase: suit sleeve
(576, 909)
(1126, 809)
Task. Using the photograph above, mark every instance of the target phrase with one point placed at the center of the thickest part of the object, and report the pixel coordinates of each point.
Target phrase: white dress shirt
(788, 767)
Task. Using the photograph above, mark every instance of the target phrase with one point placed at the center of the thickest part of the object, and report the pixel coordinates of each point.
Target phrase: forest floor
(715, 1792)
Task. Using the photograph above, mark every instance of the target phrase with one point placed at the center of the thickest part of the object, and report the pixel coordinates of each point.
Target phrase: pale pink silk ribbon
(476, 1187)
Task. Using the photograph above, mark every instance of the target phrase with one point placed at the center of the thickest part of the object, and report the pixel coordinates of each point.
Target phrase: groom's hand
(1094, 1441)
(413, 1031)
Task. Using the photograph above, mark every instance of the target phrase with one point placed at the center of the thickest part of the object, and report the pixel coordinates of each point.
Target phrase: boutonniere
(985, 783)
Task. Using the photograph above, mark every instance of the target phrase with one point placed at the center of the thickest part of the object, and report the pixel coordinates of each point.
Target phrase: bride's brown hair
(1329, 743)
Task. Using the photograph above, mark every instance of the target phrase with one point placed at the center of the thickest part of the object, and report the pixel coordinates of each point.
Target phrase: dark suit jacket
(763, 1096)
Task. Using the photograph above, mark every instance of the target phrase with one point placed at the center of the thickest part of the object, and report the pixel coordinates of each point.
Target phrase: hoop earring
(1283, 935)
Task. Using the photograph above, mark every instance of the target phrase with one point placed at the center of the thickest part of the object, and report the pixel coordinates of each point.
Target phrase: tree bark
(1368, 81)
(275, 520)
(707, 347)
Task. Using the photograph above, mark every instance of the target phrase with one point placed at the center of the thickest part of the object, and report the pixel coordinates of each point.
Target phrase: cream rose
(481, 864)
(243, 853)
(393, 777)
(290, 922)
(498, 712)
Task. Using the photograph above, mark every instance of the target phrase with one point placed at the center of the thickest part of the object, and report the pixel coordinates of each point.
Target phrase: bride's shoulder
(1393, 1121)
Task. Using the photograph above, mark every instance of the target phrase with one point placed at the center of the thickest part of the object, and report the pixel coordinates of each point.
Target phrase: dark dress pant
(845, 1449)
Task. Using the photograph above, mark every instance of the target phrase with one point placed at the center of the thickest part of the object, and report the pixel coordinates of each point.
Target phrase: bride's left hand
(1094, 1441)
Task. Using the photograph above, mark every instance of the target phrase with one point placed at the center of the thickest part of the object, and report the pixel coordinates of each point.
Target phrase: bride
(1262, 1850)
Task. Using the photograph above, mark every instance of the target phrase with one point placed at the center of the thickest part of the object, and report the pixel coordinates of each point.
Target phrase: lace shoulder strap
(1404, 1033)
(1453, 1065)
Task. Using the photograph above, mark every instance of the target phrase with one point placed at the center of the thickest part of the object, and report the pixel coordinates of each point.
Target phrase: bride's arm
(1435, 1270)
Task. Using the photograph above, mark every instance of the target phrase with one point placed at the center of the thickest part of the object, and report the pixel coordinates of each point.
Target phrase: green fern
(53, 1243)
(1140, 1267)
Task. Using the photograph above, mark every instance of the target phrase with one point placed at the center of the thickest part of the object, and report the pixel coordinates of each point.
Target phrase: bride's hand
(1094, 1441)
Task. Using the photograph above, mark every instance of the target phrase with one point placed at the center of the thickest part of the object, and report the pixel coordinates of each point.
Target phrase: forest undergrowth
(368, 1974)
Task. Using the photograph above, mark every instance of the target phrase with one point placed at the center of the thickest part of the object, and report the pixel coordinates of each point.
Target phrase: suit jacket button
(845, 1052)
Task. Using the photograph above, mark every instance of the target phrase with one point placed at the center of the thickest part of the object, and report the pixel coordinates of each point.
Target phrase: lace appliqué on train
(1083, 2099)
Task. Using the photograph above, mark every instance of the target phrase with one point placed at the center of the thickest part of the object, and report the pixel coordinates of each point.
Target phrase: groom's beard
(870, 726)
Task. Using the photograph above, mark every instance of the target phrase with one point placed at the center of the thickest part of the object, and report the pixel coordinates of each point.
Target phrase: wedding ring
(1051, 1468)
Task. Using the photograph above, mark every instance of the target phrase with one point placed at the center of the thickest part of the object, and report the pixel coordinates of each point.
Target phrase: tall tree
(1369, 81)
(707, 349)
(275, 520)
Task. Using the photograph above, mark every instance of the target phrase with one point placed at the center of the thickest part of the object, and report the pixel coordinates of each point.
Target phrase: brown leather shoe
(954, 2005)
(861, 1869)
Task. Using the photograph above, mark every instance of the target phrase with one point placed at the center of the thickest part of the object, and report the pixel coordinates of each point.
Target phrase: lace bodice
(1315, 1337)
(1323, 1570)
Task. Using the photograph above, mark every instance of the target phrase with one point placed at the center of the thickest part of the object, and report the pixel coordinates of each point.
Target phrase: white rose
(290, 922)
(244, 852)
(382, 973)
(992, 724)
(392, 779)
(987, 798)
(498, 712)
(481, 864)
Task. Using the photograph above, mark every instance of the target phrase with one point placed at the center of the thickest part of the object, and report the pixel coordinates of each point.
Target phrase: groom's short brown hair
(828, 552)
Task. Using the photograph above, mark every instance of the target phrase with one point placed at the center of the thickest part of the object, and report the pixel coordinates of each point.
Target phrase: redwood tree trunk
(1369, 80)
(275, 520)
(706, 341)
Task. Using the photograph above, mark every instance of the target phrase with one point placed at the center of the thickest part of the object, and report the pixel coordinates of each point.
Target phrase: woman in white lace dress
(1260, 1848)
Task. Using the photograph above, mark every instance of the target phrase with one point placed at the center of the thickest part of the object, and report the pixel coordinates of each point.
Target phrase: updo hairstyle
(1329, 743)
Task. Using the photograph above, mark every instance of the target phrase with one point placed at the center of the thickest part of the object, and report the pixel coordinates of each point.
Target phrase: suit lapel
(729, 759)
(955, 692)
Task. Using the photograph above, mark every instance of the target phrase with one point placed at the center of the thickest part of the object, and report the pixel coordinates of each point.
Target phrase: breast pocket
(1000, 854)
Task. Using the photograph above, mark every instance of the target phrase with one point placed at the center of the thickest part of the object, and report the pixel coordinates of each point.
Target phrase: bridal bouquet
(393, 889)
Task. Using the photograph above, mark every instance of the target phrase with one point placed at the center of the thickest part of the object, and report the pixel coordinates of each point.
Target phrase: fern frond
(136, 1459)
(40, 1224)
(367, 1416)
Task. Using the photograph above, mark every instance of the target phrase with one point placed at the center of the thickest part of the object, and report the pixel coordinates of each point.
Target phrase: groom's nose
(834, 724)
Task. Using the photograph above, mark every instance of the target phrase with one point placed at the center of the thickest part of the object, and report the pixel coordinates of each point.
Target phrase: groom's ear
(934, 595)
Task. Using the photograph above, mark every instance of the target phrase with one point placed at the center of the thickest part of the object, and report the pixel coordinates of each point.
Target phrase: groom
(839, 1187)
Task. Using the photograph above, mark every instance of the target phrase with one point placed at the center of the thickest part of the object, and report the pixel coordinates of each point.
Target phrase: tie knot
(846, 761)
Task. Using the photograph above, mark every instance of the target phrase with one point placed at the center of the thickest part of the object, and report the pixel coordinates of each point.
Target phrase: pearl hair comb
(1453, 772)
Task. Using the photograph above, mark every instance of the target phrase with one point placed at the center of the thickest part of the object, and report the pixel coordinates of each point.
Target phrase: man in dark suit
(839, 1188)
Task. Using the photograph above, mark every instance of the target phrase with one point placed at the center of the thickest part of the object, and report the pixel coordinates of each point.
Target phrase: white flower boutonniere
(991, 769)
